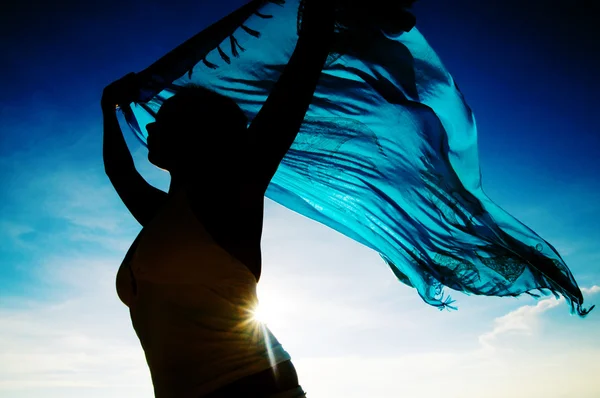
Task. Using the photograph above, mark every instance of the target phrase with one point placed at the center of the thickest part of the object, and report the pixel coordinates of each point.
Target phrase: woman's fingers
(122, 91)
(318, 17)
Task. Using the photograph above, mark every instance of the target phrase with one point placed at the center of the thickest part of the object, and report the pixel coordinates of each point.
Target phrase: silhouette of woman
(189, 279)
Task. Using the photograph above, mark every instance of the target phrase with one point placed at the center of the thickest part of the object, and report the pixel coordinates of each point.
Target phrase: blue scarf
(387, 154)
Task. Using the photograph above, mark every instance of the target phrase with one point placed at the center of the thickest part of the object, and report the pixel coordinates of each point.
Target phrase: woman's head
(196, 128)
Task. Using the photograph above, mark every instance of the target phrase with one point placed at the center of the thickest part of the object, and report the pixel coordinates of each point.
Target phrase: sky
(529, 74)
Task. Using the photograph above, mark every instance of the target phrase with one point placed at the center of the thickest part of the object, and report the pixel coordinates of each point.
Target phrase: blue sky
(527, 72)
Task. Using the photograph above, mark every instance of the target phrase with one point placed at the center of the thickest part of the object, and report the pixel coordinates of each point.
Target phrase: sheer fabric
(387, 154)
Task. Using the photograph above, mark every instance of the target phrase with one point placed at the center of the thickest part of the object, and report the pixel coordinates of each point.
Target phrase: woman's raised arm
(275, 127)
(140, 198)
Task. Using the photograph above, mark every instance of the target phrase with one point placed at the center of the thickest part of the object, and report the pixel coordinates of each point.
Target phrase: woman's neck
(191, 179)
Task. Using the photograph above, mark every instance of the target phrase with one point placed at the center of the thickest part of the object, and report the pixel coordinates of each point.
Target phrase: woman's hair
(201, 106)
(212, 103)
(203, 126)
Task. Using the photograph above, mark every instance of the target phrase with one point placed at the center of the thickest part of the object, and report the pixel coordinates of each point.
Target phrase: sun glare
(259, 314)
(268, 309)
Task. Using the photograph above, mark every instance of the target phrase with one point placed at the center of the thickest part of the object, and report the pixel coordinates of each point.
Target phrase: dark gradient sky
(528, 71)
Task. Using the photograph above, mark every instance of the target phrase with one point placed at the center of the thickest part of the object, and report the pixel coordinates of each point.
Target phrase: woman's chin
(156, 161)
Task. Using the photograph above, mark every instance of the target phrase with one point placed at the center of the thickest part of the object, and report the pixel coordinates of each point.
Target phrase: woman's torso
(234, 220)
(190, 296)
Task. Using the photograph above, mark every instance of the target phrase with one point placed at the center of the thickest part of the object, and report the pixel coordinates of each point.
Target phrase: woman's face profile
(193, 132)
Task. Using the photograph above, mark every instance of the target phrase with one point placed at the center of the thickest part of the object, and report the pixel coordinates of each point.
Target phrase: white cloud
(83, 344)
(591, 290)
(524, 320)
(453, 375)
(329, 297)
(82, 339)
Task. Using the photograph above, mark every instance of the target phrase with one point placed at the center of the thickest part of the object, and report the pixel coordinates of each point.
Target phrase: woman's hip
(280, 381)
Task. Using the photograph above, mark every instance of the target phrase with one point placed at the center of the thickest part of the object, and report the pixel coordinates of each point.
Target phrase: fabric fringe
(251, 32)
(208, 64)
(234, 46)
(263, 16)
(224, 56)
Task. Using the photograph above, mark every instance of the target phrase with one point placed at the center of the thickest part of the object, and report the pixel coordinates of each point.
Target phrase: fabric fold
(387, 154)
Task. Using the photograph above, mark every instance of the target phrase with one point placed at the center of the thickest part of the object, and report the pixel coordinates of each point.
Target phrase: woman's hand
(121, 92)
(318, 19)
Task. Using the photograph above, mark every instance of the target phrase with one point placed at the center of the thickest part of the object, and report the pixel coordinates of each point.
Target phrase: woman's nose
(151, 127)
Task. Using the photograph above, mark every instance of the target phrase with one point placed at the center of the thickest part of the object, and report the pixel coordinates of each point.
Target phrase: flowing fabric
(387, 154)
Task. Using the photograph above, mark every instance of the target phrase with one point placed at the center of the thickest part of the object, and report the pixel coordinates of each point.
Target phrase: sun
(260, 314)
(268, 307)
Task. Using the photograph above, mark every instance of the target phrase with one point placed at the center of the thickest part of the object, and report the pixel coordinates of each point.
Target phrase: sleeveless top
(191, 306)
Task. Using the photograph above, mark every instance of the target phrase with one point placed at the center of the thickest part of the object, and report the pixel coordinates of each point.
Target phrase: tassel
(263, 16)
(251, 32)
(582, 312)
(209, 64)
(234, 46)
(447, 304)
(223, 55)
